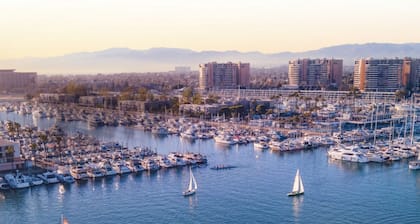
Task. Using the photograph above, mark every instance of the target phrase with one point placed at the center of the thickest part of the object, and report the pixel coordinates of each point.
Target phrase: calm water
(255, 192)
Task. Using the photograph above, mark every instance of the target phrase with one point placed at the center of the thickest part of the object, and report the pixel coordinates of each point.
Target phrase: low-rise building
(10, 155)
(200, 108)
(17, 82)
(56, 98)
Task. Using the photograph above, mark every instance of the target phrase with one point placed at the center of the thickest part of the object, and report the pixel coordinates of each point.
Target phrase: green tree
(74, 89)
(143, 94)
(104, 92)
(197, 99)
(174, 102)
(13, 128)
(260, 109)
(33, 147)
(187, 94)
(237, 110)
(44, 140)
(150, 96)
(58, 140)
(401, 94)
(127, 94)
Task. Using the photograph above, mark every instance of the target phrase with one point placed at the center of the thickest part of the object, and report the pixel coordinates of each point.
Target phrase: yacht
(176, 159)
(78, 172)
(261, 145)
(35, 181)
(107, 169)
(164, 162)
(223, 140)
(415, 164)
(49, 177)
(135, 165)
(188, 134)
(94, 171)
(150, 164)
(376, 157)
(38, 114)
(275, 145)
(347, 153)
(64, 176)
(120, 167)
(17, 180)
(161, 131)
(95, 121)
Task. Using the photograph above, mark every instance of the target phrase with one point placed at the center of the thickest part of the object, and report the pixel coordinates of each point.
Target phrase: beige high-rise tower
(228, 75)
(316, 73)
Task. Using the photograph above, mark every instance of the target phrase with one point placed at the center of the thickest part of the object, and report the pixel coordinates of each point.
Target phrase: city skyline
(46, 28)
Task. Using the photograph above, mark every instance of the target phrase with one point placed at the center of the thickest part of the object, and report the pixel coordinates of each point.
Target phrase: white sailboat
(192, 187)
(297, 185)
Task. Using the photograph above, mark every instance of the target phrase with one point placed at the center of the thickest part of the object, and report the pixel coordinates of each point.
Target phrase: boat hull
(295, 194)
(414, 165)
(188, 193)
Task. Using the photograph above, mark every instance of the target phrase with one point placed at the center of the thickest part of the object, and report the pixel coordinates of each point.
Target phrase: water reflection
(346, 165)
(192, 201)
(61, 191)
(297, 204)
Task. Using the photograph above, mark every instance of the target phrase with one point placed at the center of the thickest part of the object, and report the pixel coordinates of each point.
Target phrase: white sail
(190, 186)
(194, 182)
(296, 183)
(301, 189)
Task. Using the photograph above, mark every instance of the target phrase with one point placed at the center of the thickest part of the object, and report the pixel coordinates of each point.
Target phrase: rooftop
(5, 142)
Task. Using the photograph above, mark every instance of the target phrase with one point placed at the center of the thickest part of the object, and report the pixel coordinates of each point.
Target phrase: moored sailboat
(297, 185)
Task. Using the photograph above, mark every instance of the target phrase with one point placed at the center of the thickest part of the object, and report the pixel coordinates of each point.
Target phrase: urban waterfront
(253, 192)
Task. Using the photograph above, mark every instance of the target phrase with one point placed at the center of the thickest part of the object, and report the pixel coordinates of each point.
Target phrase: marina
(209, 112)
(267, 175)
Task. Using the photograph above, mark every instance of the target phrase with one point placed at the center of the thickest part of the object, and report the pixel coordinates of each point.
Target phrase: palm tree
(44, 139)
(10, 155)
(33, 146)
(59, 139)
(13, 128)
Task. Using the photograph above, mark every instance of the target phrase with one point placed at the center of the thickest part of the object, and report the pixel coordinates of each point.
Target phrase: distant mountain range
(115, 60)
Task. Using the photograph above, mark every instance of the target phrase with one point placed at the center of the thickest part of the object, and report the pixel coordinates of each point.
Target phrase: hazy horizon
(126, 60)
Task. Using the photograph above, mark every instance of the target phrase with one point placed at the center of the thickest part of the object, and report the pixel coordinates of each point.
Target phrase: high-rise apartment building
(386, 74)
(316, 73)
(228, 75)
(18, 82)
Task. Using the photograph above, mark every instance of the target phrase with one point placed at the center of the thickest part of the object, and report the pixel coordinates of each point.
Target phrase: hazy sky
(41, 28)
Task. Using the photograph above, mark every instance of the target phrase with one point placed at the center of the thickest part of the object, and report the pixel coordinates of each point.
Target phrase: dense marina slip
(255, 191)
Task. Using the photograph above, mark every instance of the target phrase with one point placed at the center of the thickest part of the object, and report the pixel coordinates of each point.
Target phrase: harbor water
(253, 192)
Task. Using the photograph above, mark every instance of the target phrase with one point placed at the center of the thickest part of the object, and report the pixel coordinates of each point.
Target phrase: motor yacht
(94, 171)
(120, 167)
(17, 180)
(79, 172)
(49, 177)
